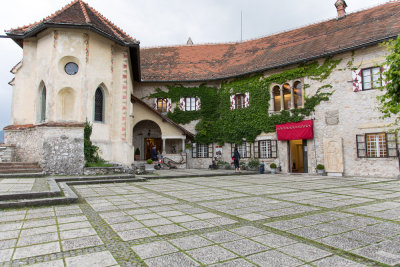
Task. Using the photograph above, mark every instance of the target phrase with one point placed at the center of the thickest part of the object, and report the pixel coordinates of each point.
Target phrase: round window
(71, 68)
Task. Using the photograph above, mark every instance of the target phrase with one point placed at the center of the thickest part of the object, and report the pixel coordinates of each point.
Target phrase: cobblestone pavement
(249, 220)
(23, 185)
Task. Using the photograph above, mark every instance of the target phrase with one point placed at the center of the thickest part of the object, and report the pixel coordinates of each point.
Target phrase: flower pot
(320, 172)
(149, 168)
(273, 170)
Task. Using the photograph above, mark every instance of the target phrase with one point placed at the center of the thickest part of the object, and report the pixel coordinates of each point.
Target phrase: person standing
(159, 158)
(236, 158)
(153, 153)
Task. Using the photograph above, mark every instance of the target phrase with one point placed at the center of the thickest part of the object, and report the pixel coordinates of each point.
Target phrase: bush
(91, 151)
(149, 161)
(320, 167)
(254, 163)
(272, 166)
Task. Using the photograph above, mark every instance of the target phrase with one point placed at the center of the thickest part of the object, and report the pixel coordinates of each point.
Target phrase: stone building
(300, 98)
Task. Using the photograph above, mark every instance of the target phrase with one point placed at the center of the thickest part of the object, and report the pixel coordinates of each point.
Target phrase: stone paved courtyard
(247, 220)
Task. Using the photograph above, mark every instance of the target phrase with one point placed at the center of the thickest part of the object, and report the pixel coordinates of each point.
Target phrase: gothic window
(298, 95)
(99, 105)
(287, 95)
(277, 98)
(43, 103)
(162, 104)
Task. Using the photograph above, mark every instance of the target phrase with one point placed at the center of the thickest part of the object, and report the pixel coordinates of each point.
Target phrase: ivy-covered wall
(218, 124)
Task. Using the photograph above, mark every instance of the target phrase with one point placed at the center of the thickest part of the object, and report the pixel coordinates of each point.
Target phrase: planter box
(149, 168)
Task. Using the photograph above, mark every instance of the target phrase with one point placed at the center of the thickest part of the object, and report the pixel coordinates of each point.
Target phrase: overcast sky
(170, 22)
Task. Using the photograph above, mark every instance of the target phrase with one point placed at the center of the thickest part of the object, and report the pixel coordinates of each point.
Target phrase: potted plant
(273, 168)
(137, 154)
(320, 169)
(149, 166)
(254, 164)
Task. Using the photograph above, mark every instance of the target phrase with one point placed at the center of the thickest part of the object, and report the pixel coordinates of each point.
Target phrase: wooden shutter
(391, 143)
(361, 150)
(169, 105)
(233, 102)
(194, 150)
(247, 100)
(256, 149)
(383, 69)
(182, 103)
(198, 103)
(210, 150)
(357, 80)
(274, 149)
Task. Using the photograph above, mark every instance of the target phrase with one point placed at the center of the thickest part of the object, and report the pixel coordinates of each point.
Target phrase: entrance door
(298, 156)
(149, 143)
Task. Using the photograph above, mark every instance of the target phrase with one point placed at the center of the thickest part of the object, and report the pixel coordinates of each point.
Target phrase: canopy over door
(295, 130)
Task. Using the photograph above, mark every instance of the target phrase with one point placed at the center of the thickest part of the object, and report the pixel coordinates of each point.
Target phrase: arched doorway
(146, 134)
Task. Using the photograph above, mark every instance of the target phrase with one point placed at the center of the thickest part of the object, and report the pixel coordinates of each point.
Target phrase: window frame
(95, 119)
(391, 146)
(372, 80)
(247, 151)
(204, 154)
(43, 103)
(164, 100)
(271, 146)
(190, 104)
(242, 103)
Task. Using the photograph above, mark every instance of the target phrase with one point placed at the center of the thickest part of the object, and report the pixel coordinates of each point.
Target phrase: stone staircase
(20, 169)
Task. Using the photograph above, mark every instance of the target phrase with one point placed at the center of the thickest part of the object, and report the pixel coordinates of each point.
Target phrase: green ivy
(217, 123)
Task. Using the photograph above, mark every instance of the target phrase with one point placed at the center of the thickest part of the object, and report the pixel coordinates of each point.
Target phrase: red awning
(295, 130)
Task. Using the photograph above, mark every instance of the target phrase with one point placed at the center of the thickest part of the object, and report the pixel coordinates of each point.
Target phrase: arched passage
(146, 133)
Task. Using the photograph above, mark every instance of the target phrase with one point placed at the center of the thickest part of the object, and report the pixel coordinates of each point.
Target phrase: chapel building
(299, 98)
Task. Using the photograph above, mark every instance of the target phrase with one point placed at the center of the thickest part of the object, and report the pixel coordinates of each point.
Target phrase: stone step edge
(197, 175)
(22, 175)
(69, 195)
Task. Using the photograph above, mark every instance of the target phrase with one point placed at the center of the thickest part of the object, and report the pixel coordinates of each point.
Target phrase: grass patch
(98, 164)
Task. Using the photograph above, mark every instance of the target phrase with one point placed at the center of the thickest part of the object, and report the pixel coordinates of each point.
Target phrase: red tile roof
(217, 61)
(77, 14)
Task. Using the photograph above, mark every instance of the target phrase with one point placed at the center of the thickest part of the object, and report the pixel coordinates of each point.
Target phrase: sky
(170, 22)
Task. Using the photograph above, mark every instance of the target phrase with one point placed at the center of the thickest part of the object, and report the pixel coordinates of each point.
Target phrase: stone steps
(20, 169)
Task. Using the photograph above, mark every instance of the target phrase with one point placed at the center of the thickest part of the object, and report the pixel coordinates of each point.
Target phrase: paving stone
(244, 247)
(222, 236)
(253, 216)
(36, 250)
(196, 225)
(234, 263)
(39, 230)
(39, 223)
(77, 233)
(375, 252)
(363, 237)
(183, 218)
(341, 242)
(136, 234)
(155, 222)
(5, 254)
(249, 231)
(126, 226)
(10, 226)
(146, 216)
(9, 235)
(82, 242)
(309, 232)
(10, 243)
(175, 259)
(103, 258)
(168, 229)
(336, 261)
(304, 252)
(37, 239)
(154, 249)
(274, 258)
(75, 225)
(211, 254)
(206, 215)
(56, 263)
(190, 242)
(274, 240)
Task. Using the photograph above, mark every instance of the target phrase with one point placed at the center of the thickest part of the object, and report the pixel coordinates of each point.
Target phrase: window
(266, 149)
(43, 103)
(202, 150)
(244, 149)
(298, 95)
(277, 98)
(371, 78)
(162, 104)
(287, 95)
(99, 105)
(240, 101)
(71, 68)
(190, 103)
(377, 145)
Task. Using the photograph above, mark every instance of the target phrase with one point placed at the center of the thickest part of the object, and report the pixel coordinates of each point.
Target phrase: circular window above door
(71, 68)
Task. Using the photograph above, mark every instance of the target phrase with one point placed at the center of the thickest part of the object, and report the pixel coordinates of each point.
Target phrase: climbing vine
(217, 123)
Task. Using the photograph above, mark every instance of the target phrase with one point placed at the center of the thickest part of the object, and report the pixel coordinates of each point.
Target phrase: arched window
(277, 98)
(99, 105)
(298, 95)
(287, 95)
(43, 103)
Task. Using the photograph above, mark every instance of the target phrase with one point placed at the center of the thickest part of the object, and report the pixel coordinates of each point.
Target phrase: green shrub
(91, 151)
(320, 167)
(272, 166)
(254, 163)
(149, 161)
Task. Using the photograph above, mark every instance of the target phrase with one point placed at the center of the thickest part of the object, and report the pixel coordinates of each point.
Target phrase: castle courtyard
(231, 220)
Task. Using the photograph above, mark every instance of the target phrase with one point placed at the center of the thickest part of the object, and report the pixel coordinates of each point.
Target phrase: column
(183, 145)
(282, 99)
(163, 147)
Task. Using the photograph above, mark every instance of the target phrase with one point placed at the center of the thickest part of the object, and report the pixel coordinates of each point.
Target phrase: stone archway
(145, 134)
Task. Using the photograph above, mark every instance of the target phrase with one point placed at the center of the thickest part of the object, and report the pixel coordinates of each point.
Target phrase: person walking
(236, 158)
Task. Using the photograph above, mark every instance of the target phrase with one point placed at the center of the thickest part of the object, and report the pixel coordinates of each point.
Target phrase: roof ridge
(82, 4)
(46, 18)
(109, 23)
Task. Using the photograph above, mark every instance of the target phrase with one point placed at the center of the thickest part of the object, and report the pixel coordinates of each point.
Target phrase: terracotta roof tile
(76, 14)
(217, 61)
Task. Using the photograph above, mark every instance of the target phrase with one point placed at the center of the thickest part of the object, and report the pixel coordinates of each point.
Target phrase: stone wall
(7, 153)
(57, 148)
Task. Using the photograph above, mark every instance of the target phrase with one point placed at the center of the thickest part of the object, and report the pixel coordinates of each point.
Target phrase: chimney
(341, 9)
(189, 41)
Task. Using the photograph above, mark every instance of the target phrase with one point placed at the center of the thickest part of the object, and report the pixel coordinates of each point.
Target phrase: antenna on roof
(241, 25)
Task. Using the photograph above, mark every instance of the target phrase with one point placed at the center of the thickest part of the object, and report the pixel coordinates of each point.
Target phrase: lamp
(149, 133)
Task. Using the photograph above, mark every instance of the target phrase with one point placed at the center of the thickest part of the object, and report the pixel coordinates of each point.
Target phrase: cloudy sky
(170, 22)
